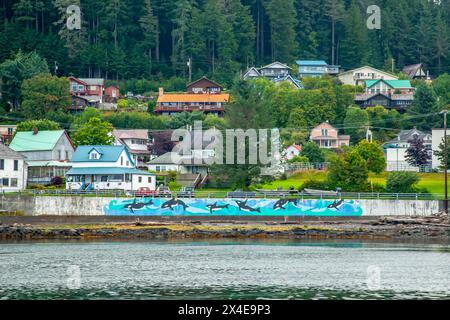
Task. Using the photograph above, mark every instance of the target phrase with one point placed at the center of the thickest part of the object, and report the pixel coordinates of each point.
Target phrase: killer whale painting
(232, 207)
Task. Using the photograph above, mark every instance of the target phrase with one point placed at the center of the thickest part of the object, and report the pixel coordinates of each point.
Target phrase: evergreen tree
(148, 23)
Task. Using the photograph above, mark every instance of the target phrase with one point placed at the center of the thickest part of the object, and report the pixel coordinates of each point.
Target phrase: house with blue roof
(315, 68)
(106, 168)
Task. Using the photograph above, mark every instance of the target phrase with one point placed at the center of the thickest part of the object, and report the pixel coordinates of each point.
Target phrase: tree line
(154, 39)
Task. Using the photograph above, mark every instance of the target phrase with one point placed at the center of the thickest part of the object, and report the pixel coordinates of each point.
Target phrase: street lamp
(444, 112)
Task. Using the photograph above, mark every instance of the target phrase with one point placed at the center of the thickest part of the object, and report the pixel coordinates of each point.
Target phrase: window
(158, 169)
(13, 182)
(59, 155)
(104, 179)
(5, 182)
(67, 155)
(2, 164)
(140, 179)
(93, 155)
(128, 163)
(16, 165)
(149, 179)
(324, 132)
(10, 131)
(121, 161)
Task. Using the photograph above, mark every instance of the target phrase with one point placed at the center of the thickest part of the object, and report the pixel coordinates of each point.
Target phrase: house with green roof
(47, 153)
(106, 168)
(389, 86)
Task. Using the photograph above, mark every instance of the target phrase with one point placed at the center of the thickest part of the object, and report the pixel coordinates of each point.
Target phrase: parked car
(186, 192)
(163, 192)
(145, 192)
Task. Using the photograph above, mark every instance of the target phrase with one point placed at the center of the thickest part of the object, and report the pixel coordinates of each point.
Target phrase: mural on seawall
(232, 207)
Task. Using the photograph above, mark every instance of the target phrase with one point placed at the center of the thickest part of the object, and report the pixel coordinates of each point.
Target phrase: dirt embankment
(433, 228)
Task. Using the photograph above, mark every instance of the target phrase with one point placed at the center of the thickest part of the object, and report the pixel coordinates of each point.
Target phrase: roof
(42, 141)
(165, 158)
(131, 134)
(8, 153)
(396, 97)
(108, 153)
(290, 79)
(276, 65)
(252, 69)
(411, 70)
(39, 163)
(296, 146)
(186, 97)
(311, 63)
(371, 68)
(396, 84)
(204, 78)
(107, 170)
(409, 96)
(93, 81)
(406, 135)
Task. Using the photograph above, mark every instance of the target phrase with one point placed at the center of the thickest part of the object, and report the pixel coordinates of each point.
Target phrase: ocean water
(223, 270)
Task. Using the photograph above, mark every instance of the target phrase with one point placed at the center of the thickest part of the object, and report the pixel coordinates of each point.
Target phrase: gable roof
(109, 153)
(411, 70)
(131, 134)
(250, 70)
(290, 79)
(371, 68)
(42, 141)
(395, 84)
(8, 153)
(407, 135)
(295, 146)
(311, 63)
(204, 78)
(276, 65)
(93, 81)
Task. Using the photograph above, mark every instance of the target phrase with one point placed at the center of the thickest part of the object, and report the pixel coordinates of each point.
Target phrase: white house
(357, 76)
(438, 138)
(106, 168)
(137, 143)
(396, 149)
(292, 151)
(13, 170)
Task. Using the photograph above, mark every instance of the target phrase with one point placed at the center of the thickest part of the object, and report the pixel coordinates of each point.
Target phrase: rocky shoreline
(433, 228)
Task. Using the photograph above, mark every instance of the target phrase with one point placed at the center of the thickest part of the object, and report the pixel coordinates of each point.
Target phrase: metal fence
(269, 194)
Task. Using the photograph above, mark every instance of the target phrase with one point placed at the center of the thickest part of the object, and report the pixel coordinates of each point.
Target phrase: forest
(154, 39)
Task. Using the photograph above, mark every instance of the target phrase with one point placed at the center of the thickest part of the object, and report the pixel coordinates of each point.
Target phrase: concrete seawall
(94, 206)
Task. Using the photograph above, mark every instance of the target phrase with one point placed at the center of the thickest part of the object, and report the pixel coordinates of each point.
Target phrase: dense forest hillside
(124, 39)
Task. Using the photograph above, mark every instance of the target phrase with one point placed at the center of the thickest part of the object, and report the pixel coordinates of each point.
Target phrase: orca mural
(232, 207)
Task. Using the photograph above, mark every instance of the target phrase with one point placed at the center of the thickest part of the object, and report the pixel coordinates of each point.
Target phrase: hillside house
(137, 143)
(315, 68)
(106, 168)
(358, 76)
(112, 93)
(399, 102)
(415, 72)
(13, 170)
(86, 92)
(389, 86)
(292, 151)
(204, 85)
(326, 136)
(7, 132)
(396, 149)
(276, 72)
(47, 153)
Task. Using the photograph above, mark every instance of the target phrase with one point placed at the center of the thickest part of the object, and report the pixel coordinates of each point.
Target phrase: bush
(57, 181)
(315, 184)
(402, 182)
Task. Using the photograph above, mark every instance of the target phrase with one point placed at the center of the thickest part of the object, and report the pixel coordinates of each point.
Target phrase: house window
(149, 179)
(93, 155)
(2, 164)
(10, 131)
(121, 161)
(5, 182)
(59, 155)
(128, 163)
(13, 182)
(158, 169)
(104, 179)
(67, 155)
(16, 165)
(324, 132)
(140, 179)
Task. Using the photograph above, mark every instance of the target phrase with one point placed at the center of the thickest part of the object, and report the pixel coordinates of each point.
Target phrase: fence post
(397, 196)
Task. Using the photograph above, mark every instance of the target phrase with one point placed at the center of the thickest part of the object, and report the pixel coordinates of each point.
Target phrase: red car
(145, 192)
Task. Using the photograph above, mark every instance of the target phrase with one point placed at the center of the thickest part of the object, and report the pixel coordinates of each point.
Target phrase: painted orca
(214, 206)
(173, 203)
(336, 204)
(136, 206)
(244, 207)
(282, 202)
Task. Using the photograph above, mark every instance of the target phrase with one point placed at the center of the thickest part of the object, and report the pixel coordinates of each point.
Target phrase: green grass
(433, 182)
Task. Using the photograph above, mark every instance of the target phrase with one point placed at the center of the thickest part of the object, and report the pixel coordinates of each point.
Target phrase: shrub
(56, 181)
(402, 182)
(315, 184)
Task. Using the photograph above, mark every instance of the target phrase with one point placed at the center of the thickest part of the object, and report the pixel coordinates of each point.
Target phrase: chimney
(35, 130)
(161, 91)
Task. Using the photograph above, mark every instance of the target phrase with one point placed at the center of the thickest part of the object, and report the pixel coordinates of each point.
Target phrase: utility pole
(393, 65)
(190, 69)
(445, 162)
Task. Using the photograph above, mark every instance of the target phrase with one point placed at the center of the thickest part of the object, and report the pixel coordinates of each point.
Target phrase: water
(219, 270)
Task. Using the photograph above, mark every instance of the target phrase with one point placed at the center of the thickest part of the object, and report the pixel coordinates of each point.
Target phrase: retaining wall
(100, 206)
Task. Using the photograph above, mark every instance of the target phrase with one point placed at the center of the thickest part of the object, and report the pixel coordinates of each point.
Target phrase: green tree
(148, 23)
(41, 125)
(402, 182)
(348, 172)
(440, 153)
(372, 153)
(94, 132)
(425, 102)
(44, 94)
(13, 71)
(356, 123)
(312, 151)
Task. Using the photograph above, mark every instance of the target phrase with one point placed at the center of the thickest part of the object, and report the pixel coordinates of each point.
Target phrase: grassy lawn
(433, 182)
